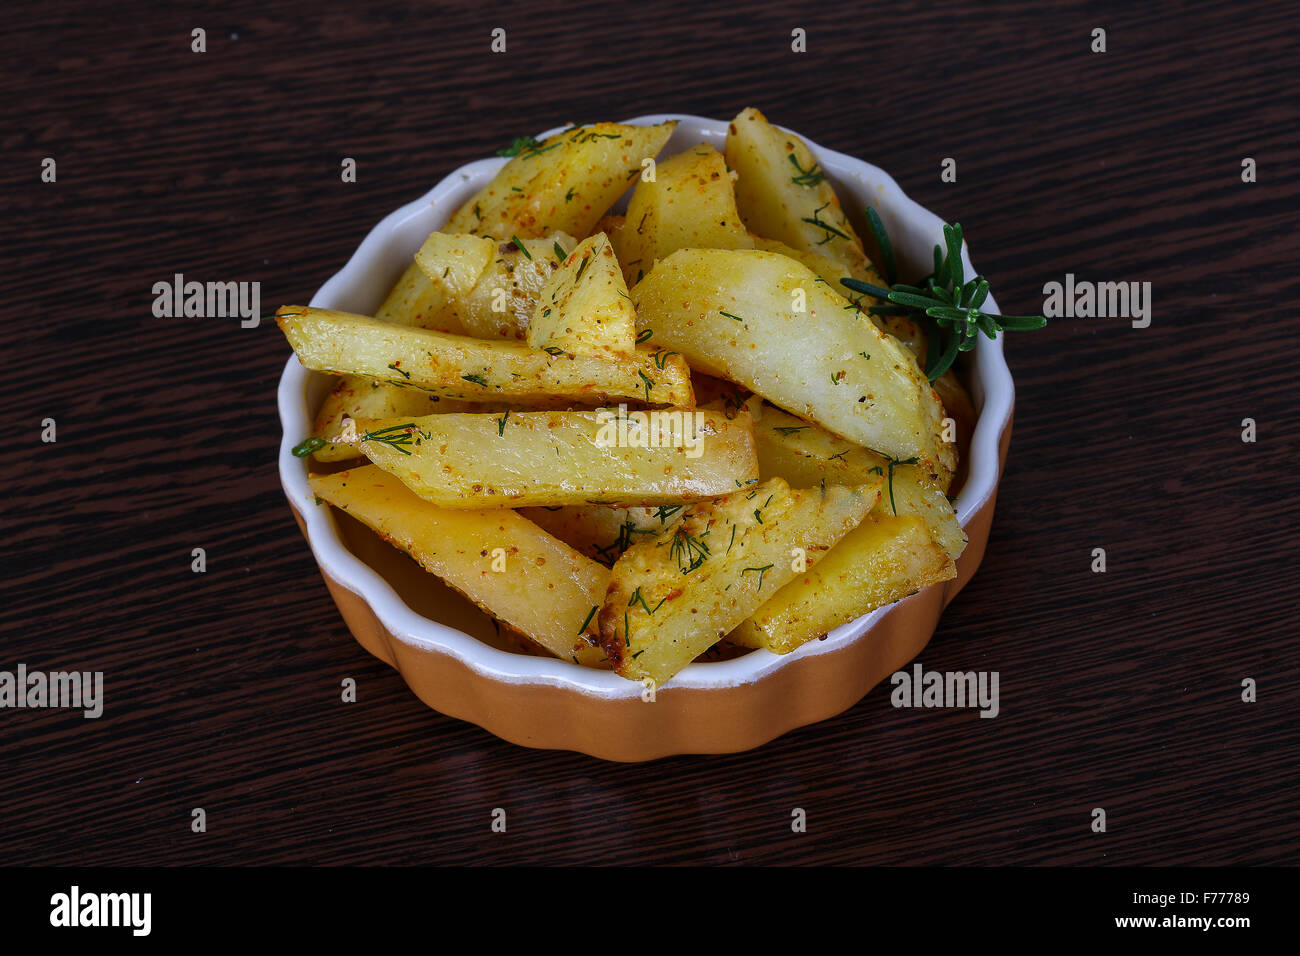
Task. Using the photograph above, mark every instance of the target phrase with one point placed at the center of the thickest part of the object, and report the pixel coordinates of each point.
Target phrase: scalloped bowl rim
(405, 624)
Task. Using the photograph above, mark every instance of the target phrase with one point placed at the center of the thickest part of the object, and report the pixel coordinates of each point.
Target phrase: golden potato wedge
(690, 204)
(603, 532)
(805, 454)
(457, 366)
(735, 314)
(499, 304)
(672, 597)
(358, 397)
(504, 563)
(783, 194)
(585, 308)
(454, 261)
(414, 301)
(565, 183)
(883, 559)
(609, 456)
(831, 271)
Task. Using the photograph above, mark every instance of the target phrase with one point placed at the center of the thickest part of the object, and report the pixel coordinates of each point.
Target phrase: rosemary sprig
(307, 446)
(944, 303)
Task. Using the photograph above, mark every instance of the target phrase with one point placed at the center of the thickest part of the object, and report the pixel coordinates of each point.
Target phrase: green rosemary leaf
(886, 247)
(307, 446)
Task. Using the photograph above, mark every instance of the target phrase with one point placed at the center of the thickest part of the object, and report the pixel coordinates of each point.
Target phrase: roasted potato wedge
(690, 204)
(672, 597)
(783, 194)
(457, 366)
(499, 303)
(883, 559)
(805, 454)
(603, 532)
(414, 301)
(563, 184)
(735, 314)
(504, 563)
(611, 456)
(585, 308)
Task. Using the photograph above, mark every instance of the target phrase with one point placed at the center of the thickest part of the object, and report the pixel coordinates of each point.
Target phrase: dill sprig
(638, 596)
(946, 305)
(820, 223)
(894, 463)
(661, 357)
(395, 436)
(688, 551)
(522, 144)
(806, 177)
(667, 511)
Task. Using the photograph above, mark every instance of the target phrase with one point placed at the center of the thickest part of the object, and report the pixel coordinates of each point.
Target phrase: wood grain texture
(1119, 690)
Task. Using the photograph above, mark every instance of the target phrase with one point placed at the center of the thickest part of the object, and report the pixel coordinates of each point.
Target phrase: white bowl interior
(414, 605)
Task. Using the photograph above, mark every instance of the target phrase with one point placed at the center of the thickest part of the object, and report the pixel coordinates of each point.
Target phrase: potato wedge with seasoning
(769, 323)
(413, 301)
(882, 560)
(585, 307)
(499, 301)
(783, 194)
(672, 597)
(563, 184)
(504, 563)
(805, 454)
(609, 456)
(475, 370)
(690, 204)
(603, 532)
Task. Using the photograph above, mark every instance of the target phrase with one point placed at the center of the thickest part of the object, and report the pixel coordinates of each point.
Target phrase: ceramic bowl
(450, 653)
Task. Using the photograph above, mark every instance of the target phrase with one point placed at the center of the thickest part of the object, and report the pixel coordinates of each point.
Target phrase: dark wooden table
(1119, 690)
